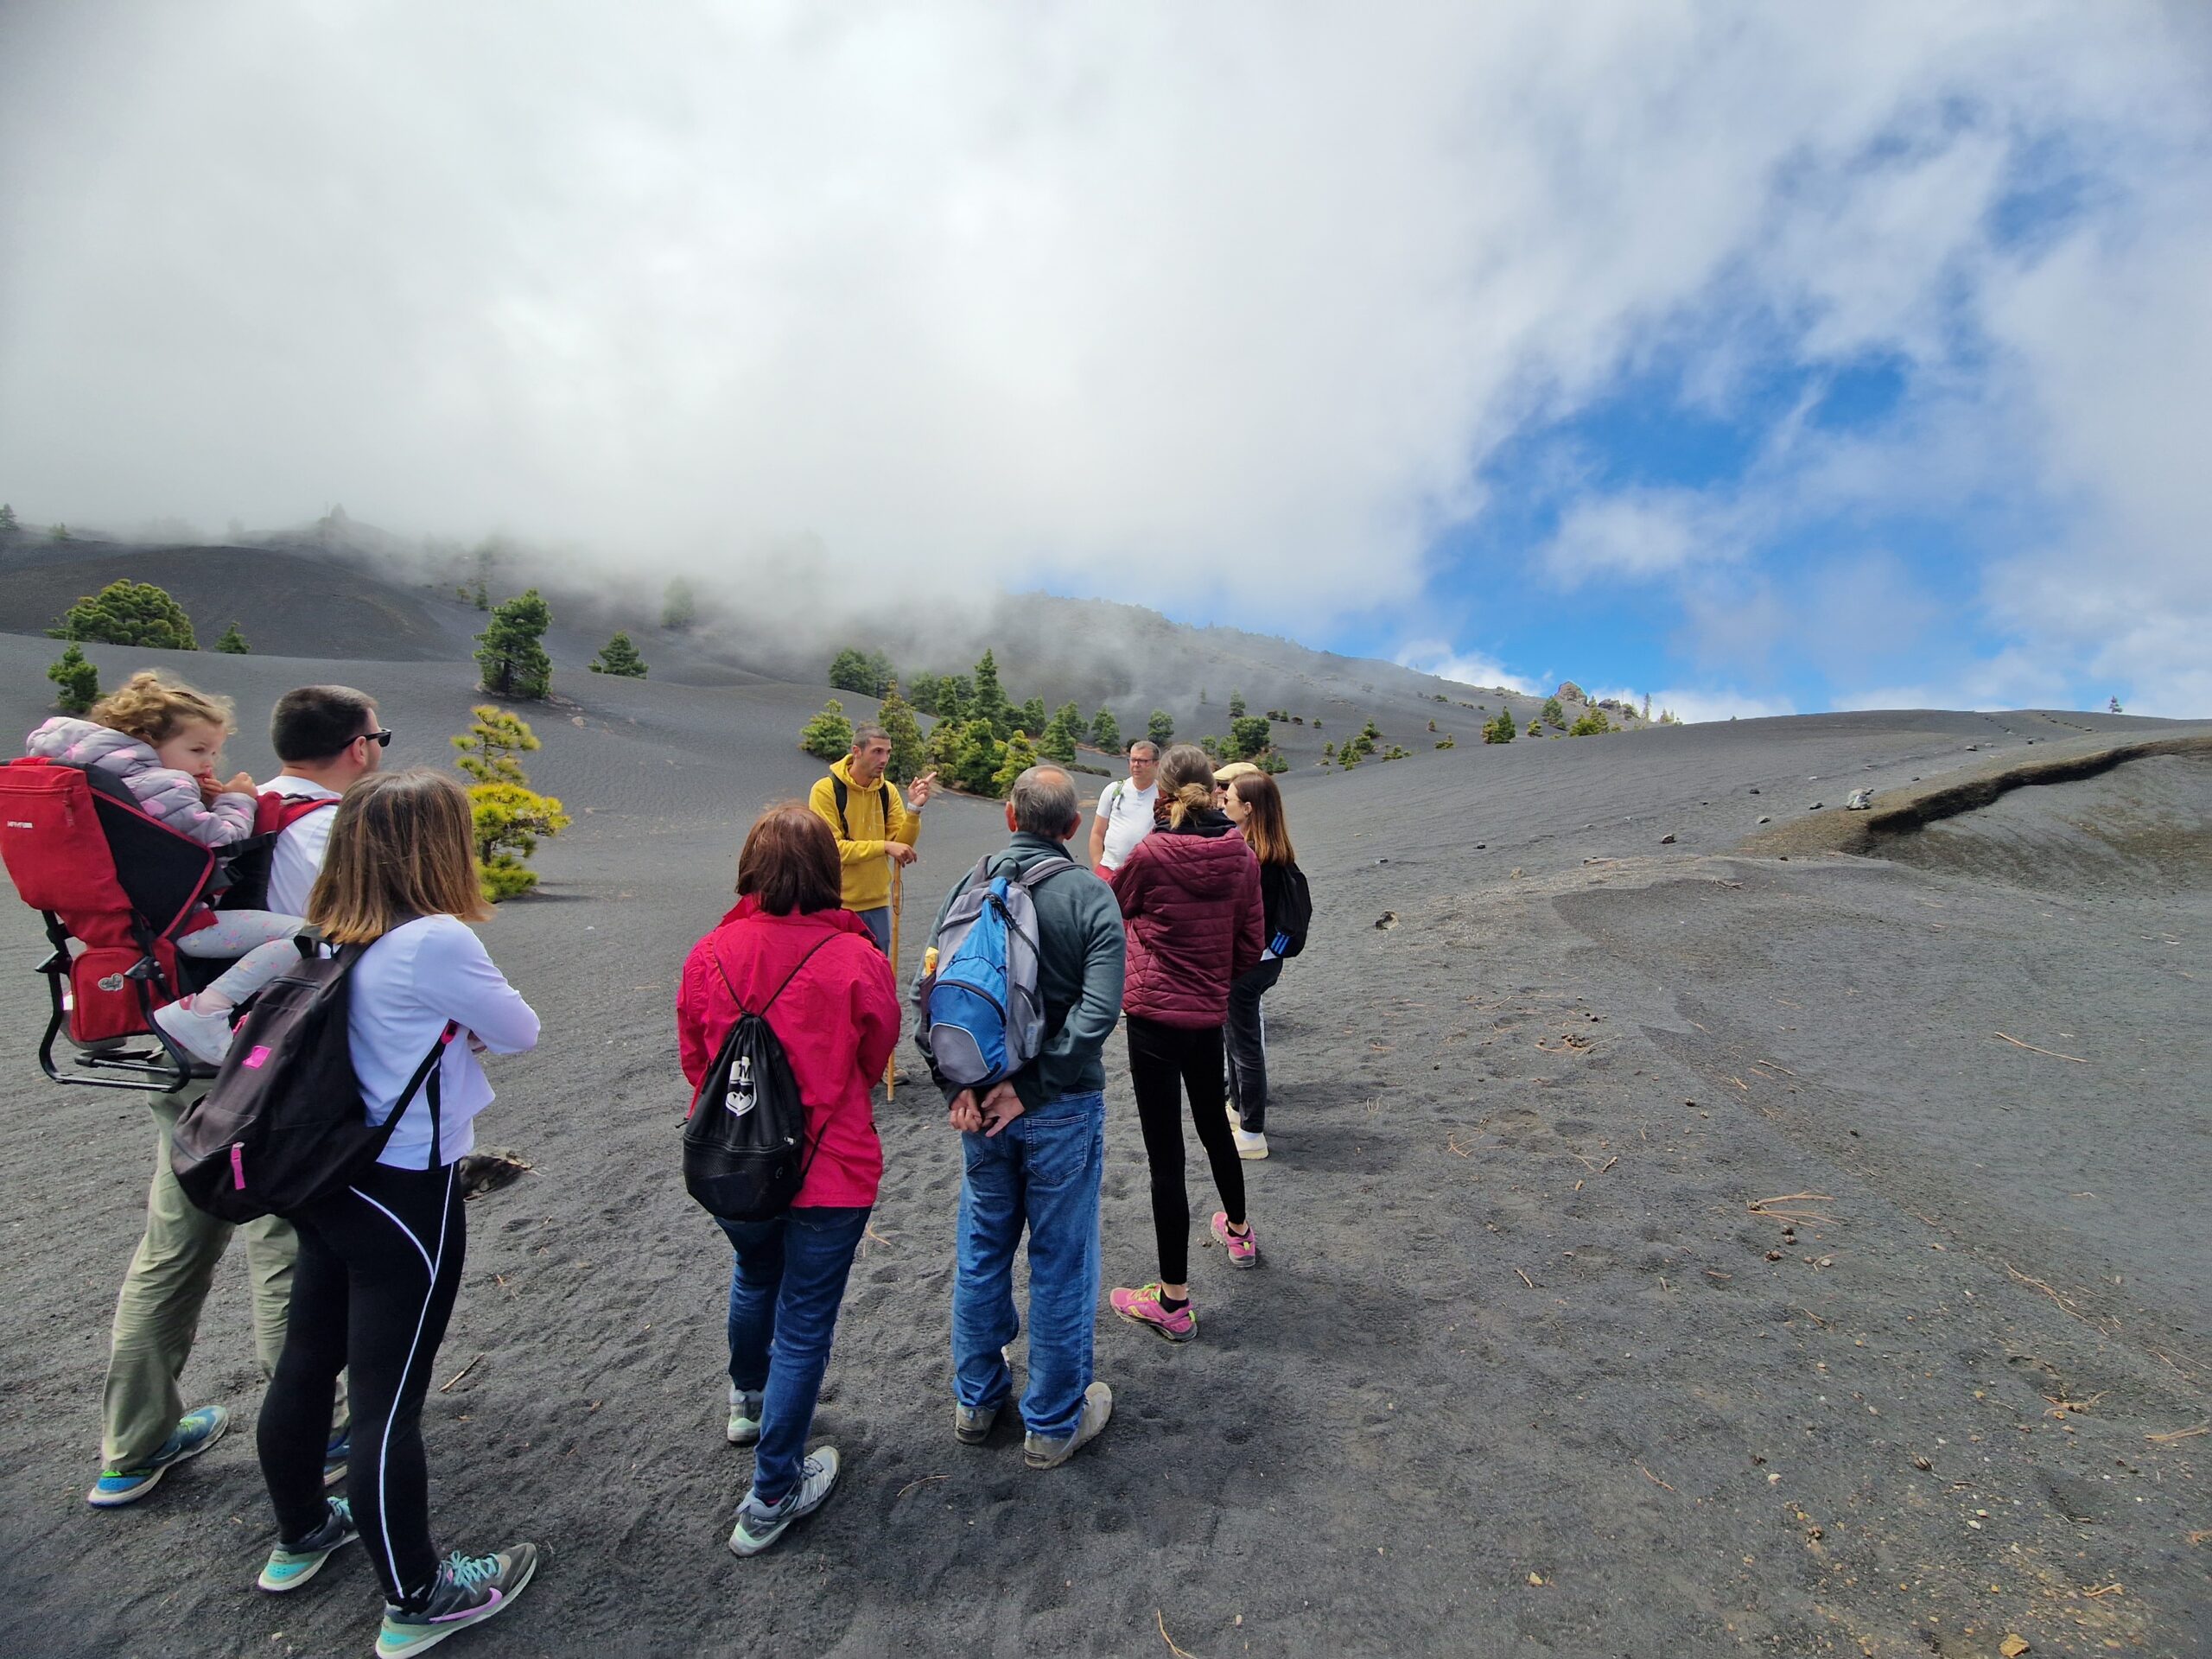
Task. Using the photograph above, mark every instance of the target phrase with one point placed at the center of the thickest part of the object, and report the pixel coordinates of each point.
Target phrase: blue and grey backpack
(981, 1018)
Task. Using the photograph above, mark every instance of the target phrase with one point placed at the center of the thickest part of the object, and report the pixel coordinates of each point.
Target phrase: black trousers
(379, 1261)
(1166, 1062)
(1248, 1044)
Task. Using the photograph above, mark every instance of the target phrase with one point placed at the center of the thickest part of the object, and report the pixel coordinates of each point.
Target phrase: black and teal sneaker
(469, 1590)
(196, 1432)
(292, 1565)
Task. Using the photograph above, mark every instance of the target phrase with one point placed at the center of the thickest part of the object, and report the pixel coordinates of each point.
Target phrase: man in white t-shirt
(1125, 809)
(327, 736)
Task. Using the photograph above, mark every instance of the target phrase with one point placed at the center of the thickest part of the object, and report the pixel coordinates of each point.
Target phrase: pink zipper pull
(238, 1164)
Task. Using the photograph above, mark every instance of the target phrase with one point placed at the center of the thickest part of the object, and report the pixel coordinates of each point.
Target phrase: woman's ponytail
(1186, 781)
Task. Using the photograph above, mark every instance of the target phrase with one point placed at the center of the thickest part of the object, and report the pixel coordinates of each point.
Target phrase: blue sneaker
(196, 1432)
(335, 1456)
(469, 1590)
(292, 1566)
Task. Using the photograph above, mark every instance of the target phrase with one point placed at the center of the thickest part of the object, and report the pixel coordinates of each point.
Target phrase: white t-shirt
(1128, 812)
(296, 859)
(405, 988)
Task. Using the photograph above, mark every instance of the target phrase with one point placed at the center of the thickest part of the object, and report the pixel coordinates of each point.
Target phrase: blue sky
(1759, 358)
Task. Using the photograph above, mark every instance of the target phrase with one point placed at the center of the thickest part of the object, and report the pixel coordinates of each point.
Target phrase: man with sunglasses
(325, 736)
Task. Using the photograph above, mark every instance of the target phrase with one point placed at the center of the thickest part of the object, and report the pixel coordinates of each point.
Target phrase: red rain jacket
(838, 1021)
(1191, 899)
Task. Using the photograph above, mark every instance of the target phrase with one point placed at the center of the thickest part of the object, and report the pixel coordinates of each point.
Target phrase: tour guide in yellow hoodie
(872, 827)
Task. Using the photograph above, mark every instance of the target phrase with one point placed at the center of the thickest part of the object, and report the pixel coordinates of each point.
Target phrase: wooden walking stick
(891, 1064)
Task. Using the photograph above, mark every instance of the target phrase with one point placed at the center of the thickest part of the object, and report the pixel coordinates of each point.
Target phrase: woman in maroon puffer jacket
(1190, 897)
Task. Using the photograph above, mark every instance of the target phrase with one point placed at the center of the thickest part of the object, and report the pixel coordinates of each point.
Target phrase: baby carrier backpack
(116, 886)
(981, 1018)
(284, 1121)
(247, 863)
(748, 1123)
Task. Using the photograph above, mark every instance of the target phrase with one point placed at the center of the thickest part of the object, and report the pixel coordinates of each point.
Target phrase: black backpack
(284, 1121)
(747, 1129)
(1293, 914)
(842, 794)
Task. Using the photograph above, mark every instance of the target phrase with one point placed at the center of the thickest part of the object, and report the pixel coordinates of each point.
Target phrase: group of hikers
(1177, 927)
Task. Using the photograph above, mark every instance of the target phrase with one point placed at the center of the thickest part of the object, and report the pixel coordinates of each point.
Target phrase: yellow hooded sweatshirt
(861, 837)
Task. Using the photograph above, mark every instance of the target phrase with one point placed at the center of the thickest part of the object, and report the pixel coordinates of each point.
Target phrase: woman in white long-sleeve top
(380, 1258)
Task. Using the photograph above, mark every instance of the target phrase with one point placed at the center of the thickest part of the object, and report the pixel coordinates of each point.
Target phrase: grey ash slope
(1516, 1319)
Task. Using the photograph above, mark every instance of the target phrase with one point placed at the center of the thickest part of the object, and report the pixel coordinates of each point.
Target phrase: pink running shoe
(1244, 1248)
(1141, 1307)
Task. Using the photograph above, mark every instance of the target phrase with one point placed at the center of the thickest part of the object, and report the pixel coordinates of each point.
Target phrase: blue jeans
(878, 923)
(1042, 1170)
(786, 1284)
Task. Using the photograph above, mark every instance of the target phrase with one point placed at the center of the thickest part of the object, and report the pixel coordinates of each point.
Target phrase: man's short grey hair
(1045, 802)
(1148, 746)
(867, 732)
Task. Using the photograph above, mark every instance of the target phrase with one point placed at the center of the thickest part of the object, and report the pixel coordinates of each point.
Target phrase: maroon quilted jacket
(1191, 898)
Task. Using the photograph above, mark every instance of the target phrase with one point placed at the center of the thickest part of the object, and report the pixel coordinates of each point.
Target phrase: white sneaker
(205, 1037)
(1097, 1407)
(1250, 1148)
(760, 1525)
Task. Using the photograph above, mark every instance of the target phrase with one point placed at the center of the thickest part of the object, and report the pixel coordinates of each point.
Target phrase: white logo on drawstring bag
(740, 1099)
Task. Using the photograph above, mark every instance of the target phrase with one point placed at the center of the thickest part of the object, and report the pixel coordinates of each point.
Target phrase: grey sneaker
(292, 1565)
(971, 1425)
(468, 1590)
(760, 1525)
(744, 1416)
(1098, 1406)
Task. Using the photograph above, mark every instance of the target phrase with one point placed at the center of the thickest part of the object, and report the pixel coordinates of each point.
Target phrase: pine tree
(679, 608)
(57, 533)
(972, 757)
(1248, 736)
(509, 816)
(79, 681)
(1160, 728)
(1062, 733)
(512, 661)
(1500, 730)
(987, 701)
(1106, 731)
(828, 735)
(483, 596)
(1553, 714)
(1236, 705)
(1018, 757)
(924, 690)
(233, 643)
(1031, 717)
(896, 719)
(619, 658)
(128, 614)
(8, 525)
(848, 671)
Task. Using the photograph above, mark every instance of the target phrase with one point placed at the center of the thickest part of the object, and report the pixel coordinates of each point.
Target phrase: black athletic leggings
(1164, 1061)
(379, 1261)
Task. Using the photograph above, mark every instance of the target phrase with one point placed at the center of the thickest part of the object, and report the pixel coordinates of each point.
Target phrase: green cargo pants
(157, 1315)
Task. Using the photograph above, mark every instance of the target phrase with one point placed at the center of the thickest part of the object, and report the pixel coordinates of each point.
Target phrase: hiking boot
(292, 1566)
(971, 1425)
(760, 1525)
(744, 1415)
(1244, 1248)
(1141, 1307)
(205, 1037)
(469, 1589)
(1251, 1144)
(194, 1433)
(1039, 1452)
(336, 1456)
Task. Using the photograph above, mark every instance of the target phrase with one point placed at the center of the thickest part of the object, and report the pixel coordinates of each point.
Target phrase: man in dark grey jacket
(1035, 1152)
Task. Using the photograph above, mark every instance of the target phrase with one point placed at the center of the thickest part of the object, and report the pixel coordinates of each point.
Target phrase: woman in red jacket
(1190, 897)
(789, 953)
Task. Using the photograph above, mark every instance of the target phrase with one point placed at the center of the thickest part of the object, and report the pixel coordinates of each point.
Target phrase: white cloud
(1696, 705)
(1227, 301)
(1468, 668)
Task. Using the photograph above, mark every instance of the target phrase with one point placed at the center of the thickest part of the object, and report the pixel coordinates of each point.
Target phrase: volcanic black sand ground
(1542, 1360)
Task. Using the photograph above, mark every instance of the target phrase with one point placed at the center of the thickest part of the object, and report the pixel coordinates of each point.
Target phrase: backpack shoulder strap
(1043, 871)
(884, 788)
(838, 790)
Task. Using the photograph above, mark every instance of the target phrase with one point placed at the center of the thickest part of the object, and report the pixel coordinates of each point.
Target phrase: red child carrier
(116, 888)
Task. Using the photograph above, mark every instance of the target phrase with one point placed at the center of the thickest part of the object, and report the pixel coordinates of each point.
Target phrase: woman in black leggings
(381, 1253)
(1190, 897)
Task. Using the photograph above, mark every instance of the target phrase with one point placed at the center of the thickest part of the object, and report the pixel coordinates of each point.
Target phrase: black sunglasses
(381, 737)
